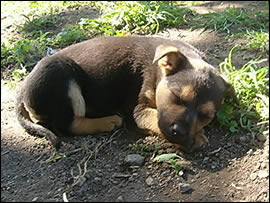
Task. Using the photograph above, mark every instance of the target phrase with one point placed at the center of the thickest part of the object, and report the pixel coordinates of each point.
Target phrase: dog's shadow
(223, 146)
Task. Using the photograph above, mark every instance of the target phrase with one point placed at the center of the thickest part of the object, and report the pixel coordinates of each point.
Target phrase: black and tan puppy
(164, 84)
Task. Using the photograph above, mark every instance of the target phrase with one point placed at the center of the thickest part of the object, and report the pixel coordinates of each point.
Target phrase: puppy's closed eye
(178, 100)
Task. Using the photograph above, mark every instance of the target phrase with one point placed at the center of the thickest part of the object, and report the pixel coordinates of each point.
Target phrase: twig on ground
(215, 151)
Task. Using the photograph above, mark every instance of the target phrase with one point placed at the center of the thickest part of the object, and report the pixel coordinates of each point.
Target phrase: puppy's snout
(178, 130)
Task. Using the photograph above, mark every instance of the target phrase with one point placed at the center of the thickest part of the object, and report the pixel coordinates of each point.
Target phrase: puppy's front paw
(111, 122)
(116, 120)
(200, 140)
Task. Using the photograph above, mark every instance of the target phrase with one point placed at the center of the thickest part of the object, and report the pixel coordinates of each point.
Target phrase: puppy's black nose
(178, 130)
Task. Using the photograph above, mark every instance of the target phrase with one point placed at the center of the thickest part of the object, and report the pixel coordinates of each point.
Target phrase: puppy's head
(189, 93)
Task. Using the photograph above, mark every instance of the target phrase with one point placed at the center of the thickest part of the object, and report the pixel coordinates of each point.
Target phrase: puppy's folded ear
(229, 90)
(169, 59)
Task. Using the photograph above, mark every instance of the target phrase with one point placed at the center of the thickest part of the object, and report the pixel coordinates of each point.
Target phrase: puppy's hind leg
(82, 125)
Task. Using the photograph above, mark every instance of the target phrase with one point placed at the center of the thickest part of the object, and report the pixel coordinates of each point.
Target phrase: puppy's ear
(169, 59)
(229, 90)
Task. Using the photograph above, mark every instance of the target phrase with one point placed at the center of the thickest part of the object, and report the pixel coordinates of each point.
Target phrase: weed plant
(251, 83)
(232, 20)
(258, 41)
(128, 17)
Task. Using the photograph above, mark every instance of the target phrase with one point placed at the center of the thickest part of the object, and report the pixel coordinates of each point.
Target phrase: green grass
(35, 23)
(69, 35)
(171, 159)
(38, 32)
(21, 54)
(134, 17)
(251, 83)
(24, 54)
(46, 15)
(30, 8)
(232, 20)
(258, 41)
(144, 148)
(32, 41)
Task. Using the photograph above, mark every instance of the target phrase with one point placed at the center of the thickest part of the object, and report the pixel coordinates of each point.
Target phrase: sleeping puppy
(164, 84)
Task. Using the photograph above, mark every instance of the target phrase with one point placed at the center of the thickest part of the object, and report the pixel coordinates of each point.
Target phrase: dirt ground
(93, 168)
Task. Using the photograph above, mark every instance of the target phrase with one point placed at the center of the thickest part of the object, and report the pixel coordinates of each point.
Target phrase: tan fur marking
(31, 114)
(150, 95)
(168, 63)
(196, 132)
(198, 125)
(77, 100)
(200, 139)
(162, 86)
(208, 108)
(24, 111)
(187, 93)
(84, 126)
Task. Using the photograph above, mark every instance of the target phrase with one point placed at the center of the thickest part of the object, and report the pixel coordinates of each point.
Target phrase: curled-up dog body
(92, 86)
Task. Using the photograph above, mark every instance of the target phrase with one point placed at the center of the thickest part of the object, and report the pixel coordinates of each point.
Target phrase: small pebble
(240, 139)
(184, 187)
(205, 159)
(166, 173)
(243, 139)
(260, 137)
(263, 174)
(134, 160)
(263, 165)
(213, 167)
(181, 173)
(253, 176)
(97, 180)
(119, 199)
(149, 181)
(258, 166)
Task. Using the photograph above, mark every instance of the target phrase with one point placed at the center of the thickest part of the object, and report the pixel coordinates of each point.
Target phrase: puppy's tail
(34, 128)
